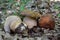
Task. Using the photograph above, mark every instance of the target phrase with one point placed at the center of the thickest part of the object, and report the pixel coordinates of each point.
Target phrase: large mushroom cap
(12, 22)
(30, 13)
(46, 21)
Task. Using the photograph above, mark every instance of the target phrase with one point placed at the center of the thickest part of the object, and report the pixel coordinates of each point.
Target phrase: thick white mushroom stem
(30, 22)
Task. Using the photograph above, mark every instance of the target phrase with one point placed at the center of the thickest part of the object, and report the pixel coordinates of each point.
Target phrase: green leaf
(22, 7)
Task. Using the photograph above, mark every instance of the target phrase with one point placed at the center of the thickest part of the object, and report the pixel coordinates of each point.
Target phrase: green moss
(59, 15)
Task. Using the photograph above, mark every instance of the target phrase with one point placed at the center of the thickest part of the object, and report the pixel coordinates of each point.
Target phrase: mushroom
(15, 24)
(47, 21)
(30, 13)
(30, 22)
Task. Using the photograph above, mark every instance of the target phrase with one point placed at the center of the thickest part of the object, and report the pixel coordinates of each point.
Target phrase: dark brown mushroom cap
(47, 22)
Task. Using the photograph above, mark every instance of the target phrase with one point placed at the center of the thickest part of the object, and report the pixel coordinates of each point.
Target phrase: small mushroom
(47, 21)
(30, 22)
